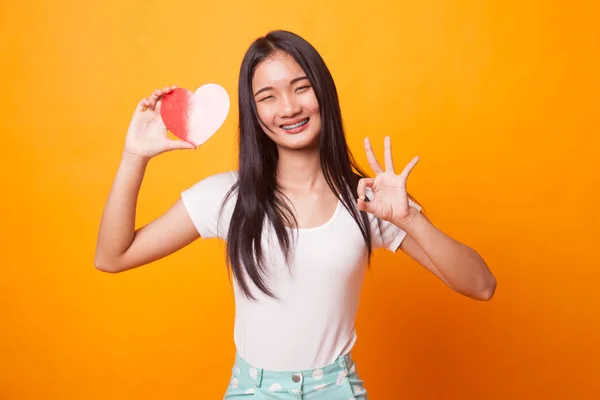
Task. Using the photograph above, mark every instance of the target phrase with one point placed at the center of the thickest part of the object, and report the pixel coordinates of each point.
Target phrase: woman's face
(286, 103)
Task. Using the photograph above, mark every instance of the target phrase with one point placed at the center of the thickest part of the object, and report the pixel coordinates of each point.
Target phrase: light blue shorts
(336, 381)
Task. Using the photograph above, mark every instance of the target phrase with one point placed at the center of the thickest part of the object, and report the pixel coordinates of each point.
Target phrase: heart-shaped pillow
(195, 117)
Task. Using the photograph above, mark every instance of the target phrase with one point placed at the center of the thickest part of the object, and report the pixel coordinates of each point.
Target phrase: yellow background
(499, 98)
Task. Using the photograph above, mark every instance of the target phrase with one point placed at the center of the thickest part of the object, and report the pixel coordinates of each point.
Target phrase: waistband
(334, 372)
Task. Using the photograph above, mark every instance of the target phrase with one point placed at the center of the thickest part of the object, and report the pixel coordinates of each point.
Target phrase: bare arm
(455, 263)
(120, 247)
(414, 251)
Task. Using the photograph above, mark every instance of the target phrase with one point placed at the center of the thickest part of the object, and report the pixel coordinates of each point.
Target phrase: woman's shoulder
(226, 178)
(214, 186)
(205, 201)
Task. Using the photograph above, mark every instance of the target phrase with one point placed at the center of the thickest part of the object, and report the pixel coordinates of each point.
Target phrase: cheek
(265, 114)
(312, 105)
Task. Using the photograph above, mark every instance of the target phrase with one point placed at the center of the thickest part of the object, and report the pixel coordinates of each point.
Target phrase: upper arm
(165, 235)
(416, 252)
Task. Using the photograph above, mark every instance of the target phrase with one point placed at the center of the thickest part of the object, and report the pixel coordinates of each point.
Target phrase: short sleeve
(204, 201)
(385, 234)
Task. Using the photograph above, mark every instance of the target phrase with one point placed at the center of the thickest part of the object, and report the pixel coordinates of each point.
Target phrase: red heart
(195, 117)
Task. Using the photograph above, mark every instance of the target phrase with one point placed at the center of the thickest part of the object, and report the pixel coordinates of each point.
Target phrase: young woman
(300, 219)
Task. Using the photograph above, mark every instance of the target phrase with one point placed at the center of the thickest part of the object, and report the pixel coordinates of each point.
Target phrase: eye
(265, 98)
(302, 88)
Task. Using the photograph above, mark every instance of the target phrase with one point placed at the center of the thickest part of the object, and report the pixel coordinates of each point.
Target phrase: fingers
(155, 98)
(371, 158)
(143, 104)
(388, 159)
(389, 162)
(409, 167)
(364, 205)
(364, 190)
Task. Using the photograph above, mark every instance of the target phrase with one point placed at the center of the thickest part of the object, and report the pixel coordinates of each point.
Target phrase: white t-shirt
(312, 321)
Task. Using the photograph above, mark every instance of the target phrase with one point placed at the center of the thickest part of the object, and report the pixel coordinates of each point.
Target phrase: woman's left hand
(389, 199)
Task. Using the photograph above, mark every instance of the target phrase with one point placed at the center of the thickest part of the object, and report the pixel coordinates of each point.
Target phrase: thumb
(363, 188)
(365, 194)
(179, 145)
(366, 206)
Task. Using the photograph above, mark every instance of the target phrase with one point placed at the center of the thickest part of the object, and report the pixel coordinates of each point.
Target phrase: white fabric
(312, 322)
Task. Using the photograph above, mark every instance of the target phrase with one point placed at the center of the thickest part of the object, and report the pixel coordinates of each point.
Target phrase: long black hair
(259, 194)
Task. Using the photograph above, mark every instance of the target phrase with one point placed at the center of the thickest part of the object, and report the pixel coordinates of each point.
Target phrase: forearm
(463, 268)
(117, 227)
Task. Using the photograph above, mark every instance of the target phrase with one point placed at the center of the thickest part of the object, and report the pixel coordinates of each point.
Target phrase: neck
(300, 171)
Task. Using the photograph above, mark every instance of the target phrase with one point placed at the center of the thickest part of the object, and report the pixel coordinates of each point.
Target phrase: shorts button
(296, 378)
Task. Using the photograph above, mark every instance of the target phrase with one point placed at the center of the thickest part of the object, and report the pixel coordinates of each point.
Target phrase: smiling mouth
(296, 125)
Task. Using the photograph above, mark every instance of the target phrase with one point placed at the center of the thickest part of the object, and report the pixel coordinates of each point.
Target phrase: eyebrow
(271, 87)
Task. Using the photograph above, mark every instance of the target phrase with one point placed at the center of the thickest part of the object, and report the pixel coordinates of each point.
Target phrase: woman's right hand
(147, 133)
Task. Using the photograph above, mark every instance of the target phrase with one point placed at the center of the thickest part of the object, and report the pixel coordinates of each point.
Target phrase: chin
(298, 142)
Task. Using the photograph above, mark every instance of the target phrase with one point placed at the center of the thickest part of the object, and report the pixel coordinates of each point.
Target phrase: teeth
(295, 125)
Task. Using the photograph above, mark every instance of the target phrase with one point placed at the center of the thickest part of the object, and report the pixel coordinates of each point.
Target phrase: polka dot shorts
(337, 381)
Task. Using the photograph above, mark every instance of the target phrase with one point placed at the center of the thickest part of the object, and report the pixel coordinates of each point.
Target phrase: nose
(289, 107)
